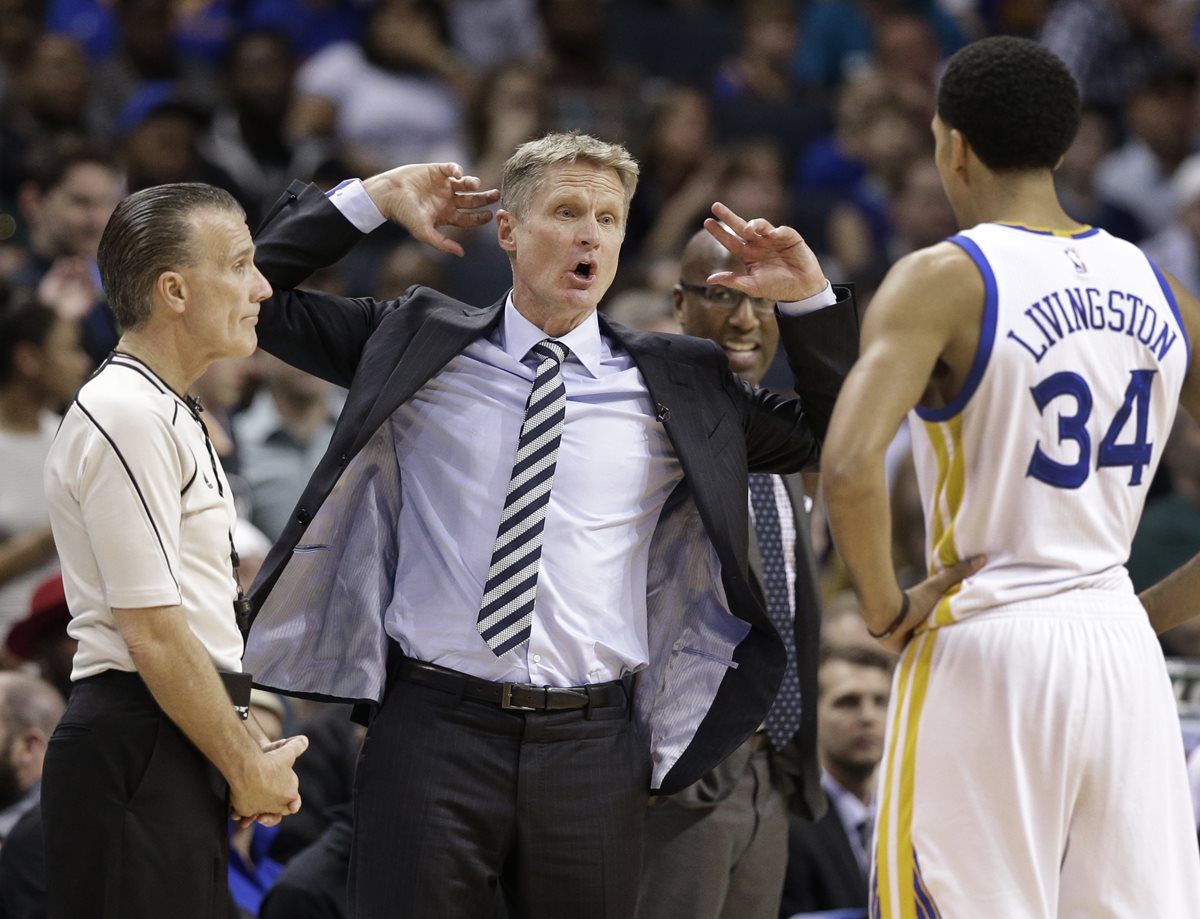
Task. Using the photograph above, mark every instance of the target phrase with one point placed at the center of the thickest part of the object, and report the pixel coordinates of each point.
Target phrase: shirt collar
(850, 809)
(518, 335)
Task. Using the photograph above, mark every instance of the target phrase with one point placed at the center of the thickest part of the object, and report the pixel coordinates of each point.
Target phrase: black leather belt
(521, 697)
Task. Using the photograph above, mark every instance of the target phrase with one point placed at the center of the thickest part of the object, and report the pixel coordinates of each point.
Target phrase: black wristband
(895, 623)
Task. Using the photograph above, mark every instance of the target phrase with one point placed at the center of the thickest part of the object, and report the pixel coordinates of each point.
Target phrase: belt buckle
(506, 701)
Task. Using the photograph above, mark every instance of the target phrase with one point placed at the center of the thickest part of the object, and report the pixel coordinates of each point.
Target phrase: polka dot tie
(783, 720)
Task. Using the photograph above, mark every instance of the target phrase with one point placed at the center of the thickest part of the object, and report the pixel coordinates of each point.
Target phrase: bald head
(745, 329)
(703, 255)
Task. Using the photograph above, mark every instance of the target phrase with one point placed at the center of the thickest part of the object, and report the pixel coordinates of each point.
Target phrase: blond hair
(524, 170)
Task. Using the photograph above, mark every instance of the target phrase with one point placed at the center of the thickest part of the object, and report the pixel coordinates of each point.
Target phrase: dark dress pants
(454, 797)
(134, 815)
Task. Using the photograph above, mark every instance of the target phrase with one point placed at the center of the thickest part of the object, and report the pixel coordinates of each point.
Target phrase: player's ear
(960, 150)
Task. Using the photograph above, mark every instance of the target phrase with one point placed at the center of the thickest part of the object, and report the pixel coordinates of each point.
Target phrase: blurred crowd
(813, 113)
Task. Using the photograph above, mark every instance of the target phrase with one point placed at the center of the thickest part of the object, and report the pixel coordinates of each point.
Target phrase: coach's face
(565, 248)
(223, 287)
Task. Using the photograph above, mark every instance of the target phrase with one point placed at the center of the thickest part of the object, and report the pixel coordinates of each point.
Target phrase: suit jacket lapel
(672, 383)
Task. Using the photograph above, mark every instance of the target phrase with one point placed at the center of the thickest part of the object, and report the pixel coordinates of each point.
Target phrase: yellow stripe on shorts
(895, 879)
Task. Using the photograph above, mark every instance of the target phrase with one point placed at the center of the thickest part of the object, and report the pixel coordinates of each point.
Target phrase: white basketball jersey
(1042, 462)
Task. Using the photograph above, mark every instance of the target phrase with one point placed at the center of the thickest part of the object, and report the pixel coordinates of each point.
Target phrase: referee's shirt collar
(519, 335)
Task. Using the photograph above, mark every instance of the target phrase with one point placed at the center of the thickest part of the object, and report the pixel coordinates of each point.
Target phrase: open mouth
(584, 271)
(741, 354)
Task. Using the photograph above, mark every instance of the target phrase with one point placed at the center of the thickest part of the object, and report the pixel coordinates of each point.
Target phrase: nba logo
(1080, 267)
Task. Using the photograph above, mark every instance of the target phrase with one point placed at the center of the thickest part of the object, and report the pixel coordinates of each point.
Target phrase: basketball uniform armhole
(987, 335)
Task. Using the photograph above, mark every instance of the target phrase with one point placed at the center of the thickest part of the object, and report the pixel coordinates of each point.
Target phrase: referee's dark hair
(151, 232)
(1014, 101)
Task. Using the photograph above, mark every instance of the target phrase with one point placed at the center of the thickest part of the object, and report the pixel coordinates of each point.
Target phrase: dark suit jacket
(796, 766)
(822, 872)
(715, 661)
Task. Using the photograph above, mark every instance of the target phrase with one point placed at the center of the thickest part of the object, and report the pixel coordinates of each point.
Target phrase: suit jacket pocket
(708, 655)
(725, 429)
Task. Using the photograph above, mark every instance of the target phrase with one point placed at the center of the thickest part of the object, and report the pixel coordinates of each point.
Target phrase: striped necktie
(506, 611)
(783, 720)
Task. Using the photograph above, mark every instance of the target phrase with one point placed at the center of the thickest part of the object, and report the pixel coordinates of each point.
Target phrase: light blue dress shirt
(455, 443)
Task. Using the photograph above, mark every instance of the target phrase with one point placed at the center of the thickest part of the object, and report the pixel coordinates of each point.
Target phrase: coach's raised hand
(779, 263)
(425, 196)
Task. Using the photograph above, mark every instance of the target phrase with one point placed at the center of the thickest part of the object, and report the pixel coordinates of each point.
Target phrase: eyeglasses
(728, 299)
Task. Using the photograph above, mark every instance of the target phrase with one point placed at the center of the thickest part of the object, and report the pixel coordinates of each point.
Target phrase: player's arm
(911, 325)
(1176, 599)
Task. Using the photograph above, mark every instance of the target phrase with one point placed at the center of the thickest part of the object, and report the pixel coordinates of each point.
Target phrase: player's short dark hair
(1014, 101)
(151, 232)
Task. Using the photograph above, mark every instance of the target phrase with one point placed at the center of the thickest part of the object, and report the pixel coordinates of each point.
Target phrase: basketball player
(1034, 763)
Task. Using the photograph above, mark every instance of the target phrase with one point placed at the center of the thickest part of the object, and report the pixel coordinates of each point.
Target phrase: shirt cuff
(817, 301)
(356, 205)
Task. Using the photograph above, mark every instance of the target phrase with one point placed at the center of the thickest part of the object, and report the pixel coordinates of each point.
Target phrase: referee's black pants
(135, 817)
(455, 796)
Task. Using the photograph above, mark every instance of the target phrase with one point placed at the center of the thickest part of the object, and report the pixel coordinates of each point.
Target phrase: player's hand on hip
(268, 788)
(424, 196)
(923, 597)
(779, 263)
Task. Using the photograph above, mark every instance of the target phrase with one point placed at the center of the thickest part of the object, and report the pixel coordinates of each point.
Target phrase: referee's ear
(171, 291)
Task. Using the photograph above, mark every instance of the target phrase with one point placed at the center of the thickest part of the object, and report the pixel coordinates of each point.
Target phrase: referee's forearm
(181, 677)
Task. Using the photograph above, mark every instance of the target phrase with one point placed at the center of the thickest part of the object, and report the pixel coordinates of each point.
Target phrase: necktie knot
(550, 349)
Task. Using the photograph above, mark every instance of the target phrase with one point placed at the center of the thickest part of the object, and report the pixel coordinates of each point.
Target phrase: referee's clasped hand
(268, 790)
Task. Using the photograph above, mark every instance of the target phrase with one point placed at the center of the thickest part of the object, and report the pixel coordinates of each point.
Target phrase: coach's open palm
(424, 196)
(779, 263)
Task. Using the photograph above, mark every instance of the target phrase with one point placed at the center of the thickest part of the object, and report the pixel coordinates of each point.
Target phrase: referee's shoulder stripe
(129, 365)
(136, 487)
(118, 360)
